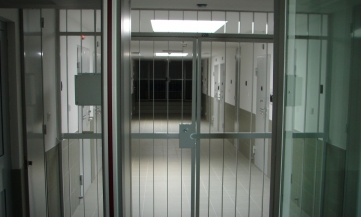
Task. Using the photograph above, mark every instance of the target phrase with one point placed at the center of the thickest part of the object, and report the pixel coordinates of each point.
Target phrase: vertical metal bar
(82, 109)
(198, 142)
(139, 209)
(305, 113)
(318, 118)
(95, 115)
(67, 99)
(167, 84)
(193, 122)
(237, 88)
(181, 150)
(266, 117)
(223, 124)
(59, 142)
(327, 113)
(276, 189)
(153, 133)
(209, 125)
(251, 143)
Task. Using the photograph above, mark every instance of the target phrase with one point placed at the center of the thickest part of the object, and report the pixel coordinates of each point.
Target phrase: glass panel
(73, 20)
(161, 15)
(302, 24)
(324, 25)
(88, 21)
(98, 22)
(175, 15)
(204, 15)
(270, 23)
(135, 20)
(219, 16)
(145, 17)
(232, 25)
(260, 21)
(190, 15)
(62, 20)
(246, 23)
(315, 24)
(321, 174)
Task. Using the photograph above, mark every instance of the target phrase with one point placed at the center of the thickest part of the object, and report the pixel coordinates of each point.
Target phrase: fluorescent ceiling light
(201, 26)
(171, 54)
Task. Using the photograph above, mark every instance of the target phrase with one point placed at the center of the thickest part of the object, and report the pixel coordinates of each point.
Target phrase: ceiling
(231, 5)
(70, 4)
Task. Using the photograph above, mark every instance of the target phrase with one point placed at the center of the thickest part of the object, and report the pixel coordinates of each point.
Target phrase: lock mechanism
(185, 132)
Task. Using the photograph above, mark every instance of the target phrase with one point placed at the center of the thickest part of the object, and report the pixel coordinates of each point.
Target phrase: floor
(93, 200)
(161, 174)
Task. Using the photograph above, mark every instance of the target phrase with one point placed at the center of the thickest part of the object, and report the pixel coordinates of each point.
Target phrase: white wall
(249, 54)
(67, 77)
(11, 16)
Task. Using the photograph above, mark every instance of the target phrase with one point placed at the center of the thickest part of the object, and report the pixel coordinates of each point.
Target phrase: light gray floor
(93, 200)
(161, 175)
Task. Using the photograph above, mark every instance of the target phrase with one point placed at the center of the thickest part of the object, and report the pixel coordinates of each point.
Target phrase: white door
(221, 101)
(262, 116)
(216, 96)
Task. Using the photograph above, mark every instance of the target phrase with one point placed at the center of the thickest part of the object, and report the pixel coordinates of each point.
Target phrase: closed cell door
(194, 128)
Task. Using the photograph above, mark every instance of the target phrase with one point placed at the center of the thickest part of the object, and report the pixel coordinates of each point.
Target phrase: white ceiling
(232, 5)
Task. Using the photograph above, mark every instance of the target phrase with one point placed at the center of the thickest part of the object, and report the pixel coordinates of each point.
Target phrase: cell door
(163, 93)
(228, 180)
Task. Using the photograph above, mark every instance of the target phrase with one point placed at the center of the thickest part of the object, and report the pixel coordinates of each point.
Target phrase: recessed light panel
(187, 26)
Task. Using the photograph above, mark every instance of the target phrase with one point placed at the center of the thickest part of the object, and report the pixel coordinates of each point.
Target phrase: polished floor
(161, 175)
(92, 203)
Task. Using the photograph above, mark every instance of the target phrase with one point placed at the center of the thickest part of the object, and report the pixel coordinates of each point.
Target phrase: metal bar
(198, 142)
(307, 135)
(318, 118)
(193, 154)
(250, 142)
(277, 157)
(195, 10)
(167, 94)
(209, 87)
(149, 36)
(221, 104)
(80, 33)
(307, 37)
(231, 136)
(305, 115)
(153, 128)
(237, 99)
(82, 136)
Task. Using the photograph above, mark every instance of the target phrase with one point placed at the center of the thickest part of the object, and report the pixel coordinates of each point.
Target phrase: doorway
(220, 168)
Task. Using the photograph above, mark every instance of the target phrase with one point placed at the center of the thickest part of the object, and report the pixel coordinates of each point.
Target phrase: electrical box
(88, 89)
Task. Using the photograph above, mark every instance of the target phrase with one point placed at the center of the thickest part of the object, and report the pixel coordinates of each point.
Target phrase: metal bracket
(185, 132)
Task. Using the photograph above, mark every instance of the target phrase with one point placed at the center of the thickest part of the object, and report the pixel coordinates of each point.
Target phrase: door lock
(185, 140)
